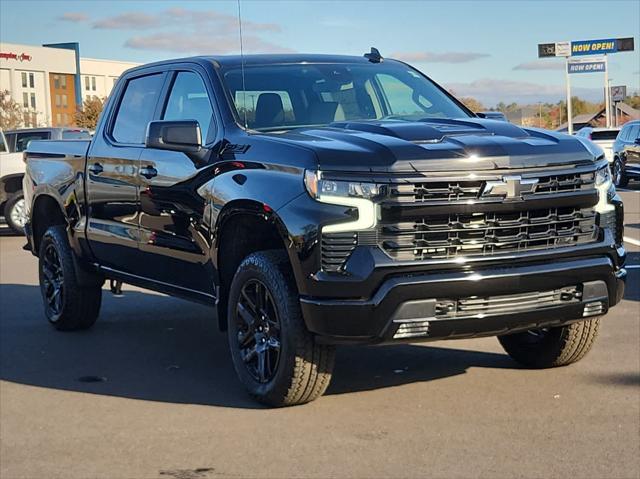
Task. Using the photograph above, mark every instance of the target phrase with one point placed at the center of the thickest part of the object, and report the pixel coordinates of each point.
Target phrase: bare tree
(88, 116)
(11, 112)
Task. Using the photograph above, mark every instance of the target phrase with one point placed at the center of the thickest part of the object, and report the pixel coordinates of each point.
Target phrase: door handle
(96, 168)
(148, 172)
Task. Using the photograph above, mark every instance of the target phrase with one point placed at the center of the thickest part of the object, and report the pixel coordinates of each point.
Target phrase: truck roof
(262, 59)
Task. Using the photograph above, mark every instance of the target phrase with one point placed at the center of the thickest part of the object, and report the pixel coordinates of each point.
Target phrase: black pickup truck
(319, 200)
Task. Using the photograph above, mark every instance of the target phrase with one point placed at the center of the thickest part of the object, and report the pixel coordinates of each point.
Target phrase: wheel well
(46, 213)
(241, 235)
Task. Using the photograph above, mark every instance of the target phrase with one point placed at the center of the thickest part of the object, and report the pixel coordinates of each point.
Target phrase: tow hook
(116, 287)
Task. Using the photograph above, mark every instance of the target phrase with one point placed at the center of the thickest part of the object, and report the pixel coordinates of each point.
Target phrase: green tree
(90, 113)
(472, 104)
(11, 112)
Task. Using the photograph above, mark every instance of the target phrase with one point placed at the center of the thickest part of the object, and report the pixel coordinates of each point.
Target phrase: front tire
(551, 347)
(619, 178)
(274, 355)
(69, 304)
(15, 213)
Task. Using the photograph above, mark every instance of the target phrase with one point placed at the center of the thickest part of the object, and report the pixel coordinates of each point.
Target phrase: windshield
(277, 97)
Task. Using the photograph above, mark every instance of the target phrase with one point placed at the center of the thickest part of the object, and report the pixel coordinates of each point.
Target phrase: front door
(113, 175)
(173, 239)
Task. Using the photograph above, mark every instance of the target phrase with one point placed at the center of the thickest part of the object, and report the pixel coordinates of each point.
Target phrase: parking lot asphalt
(150, 392)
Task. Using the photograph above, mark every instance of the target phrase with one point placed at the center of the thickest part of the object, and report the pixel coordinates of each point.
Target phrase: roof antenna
(244, 89)
(374, 56)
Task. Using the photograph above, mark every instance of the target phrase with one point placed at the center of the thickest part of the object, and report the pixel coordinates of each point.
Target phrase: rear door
(173, 240)
(113, 180)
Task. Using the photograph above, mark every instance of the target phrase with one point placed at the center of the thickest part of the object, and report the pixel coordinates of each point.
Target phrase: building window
(32, 82)
(86, 83)
(64, 101)
(93, 83)
(25, 99)
(63, 82)
(33, 101)
(56, 82)
(24, 79)
(58, 101)
(58, 118)
(65, 119)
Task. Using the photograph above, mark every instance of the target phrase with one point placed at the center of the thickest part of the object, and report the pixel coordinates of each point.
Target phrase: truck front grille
(453, 235)
(451, 191)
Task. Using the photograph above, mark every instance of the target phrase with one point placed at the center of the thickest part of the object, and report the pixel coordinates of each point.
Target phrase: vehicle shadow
(151, 347)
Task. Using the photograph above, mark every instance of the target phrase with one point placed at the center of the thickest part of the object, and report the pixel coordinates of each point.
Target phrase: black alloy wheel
(258, 329)
(53, 281)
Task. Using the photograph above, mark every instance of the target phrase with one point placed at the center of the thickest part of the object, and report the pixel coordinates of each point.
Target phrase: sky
(484, 49)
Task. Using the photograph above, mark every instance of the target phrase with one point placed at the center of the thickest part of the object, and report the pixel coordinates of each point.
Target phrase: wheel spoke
(246, 316)
(262, 364)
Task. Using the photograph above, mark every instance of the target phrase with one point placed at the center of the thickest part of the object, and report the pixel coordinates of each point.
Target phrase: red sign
(23, 57)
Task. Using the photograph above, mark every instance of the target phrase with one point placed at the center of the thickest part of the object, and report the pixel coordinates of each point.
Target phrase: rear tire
(551, 347)
(15, 213)
(274, 355)
(69, 303)
(619, 178)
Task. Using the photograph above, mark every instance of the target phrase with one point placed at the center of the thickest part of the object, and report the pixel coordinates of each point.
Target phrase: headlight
(603, 175)
(345, 193)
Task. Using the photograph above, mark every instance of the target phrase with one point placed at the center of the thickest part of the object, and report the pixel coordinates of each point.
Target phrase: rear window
(604, 135)
(136, 108)
(75, 135)
(23, 139)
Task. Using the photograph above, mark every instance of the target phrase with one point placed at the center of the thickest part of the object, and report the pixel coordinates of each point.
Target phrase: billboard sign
(557, 49)
(594, 47)
(618, 93)
(587, 65)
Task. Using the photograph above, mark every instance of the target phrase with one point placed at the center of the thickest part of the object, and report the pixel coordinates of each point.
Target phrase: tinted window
(189, 101)
(11, 141)
(23, 139)
(3, 147)
(604, 135)
(136, 109)
(319, 94)
(634, 133)
(75, 135)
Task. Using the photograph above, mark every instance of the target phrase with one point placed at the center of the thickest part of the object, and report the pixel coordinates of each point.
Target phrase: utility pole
(607, 92)
(569, 113)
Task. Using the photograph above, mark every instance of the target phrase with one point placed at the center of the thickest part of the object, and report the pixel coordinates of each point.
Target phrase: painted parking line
(631, 241)
(632, 266)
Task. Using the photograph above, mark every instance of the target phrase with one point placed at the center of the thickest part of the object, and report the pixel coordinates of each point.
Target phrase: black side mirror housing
(637, 141)
(174, 135)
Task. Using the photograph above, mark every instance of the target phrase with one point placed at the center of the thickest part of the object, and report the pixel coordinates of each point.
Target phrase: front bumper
(411, 298)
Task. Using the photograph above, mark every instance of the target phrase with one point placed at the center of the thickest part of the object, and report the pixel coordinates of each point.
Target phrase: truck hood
(437, 145)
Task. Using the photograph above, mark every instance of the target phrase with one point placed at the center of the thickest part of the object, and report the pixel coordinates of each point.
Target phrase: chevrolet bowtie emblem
(511, 187)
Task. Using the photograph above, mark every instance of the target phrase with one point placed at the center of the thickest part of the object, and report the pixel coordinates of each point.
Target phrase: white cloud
(491, 91)
(197, 43)
(547, 64)
(446, 57)
(76, 17)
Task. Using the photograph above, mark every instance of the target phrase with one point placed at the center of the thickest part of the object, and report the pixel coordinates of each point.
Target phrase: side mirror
(178, 135)
(637, 141)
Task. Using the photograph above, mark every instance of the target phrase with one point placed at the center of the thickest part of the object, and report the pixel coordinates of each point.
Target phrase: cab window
(136, 108)
(189, 100)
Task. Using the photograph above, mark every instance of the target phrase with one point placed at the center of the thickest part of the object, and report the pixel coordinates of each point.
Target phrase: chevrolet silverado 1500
(320, 200)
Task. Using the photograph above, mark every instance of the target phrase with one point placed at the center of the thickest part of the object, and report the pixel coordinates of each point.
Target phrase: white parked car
(12, 170)
(603, 137)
